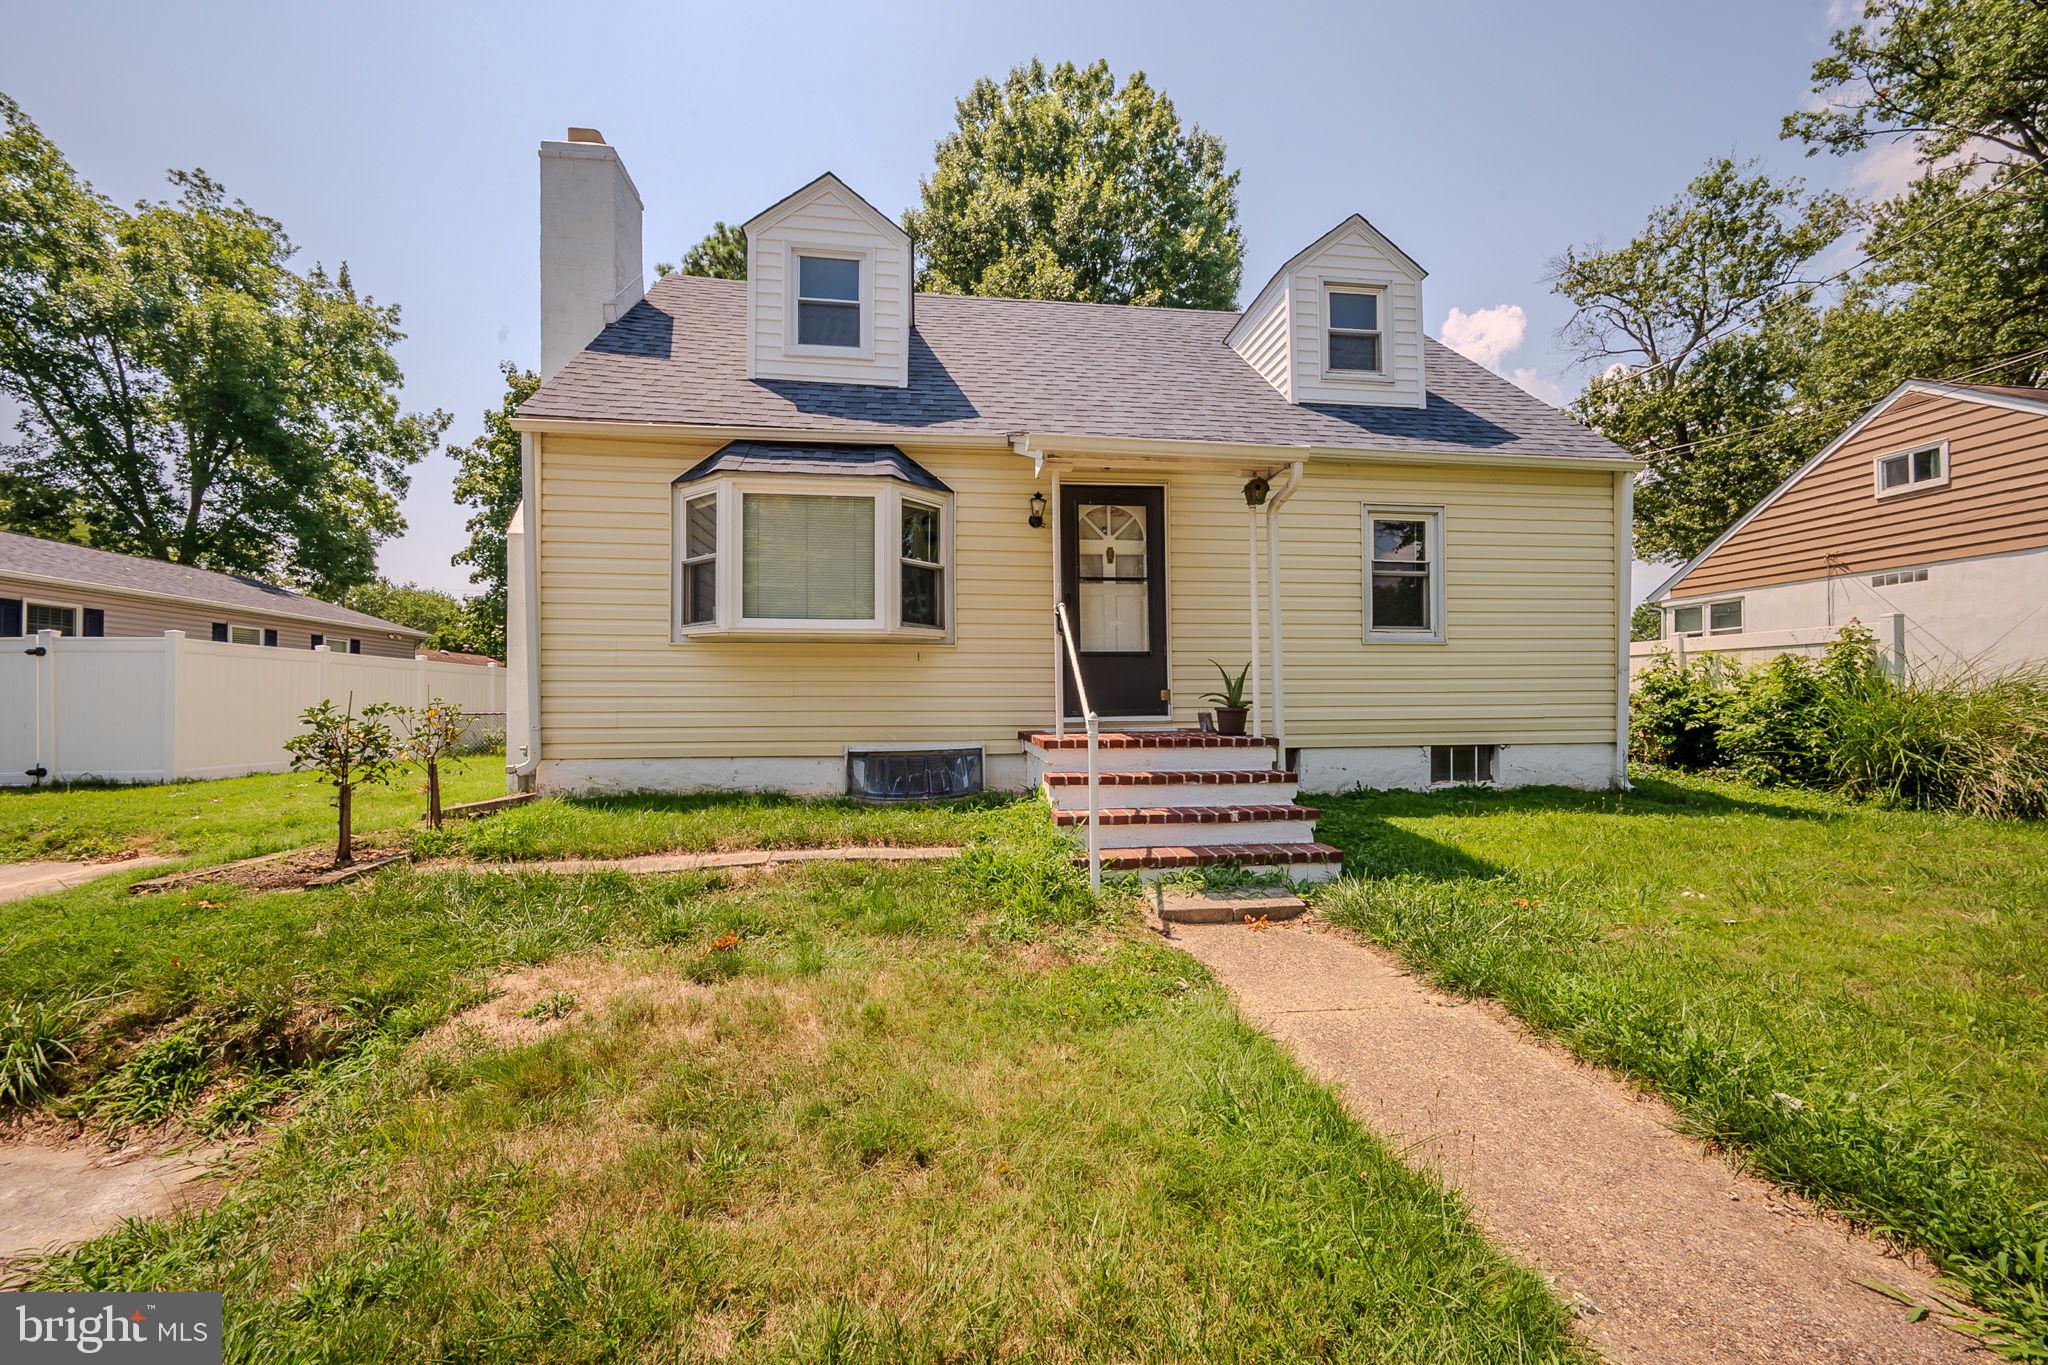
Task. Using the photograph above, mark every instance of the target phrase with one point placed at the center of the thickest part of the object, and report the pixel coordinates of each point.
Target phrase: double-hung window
(828, 301)
(1909, 470)
(1355, 341)
(812, 555)
(1404, 597)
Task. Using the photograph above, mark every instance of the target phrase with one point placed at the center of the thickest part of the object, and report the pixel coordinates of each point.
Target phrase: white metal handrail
(1066, 635)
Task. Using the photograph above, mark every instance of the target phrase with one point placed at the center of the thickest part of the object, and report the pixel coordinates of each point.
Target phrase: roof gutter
(1038, 445)
(183, 600)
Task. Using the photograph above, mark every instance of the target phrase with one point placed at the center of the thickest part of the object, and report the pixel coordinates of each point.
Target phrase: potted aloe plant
(1231, 704)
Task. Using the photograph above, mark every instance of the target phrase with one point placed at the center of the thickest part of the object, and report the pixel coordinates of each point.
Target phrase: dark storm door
(1113, 580)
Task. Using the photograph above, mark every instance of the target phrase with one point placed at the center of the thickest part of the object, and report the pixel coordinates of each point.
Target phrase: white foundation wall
(1982, 615)
(1406, 767)
(791, 776)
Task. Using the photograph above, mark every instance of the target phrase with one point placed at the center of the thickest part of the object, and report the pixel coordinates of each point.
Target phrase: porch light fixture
(1037, 511)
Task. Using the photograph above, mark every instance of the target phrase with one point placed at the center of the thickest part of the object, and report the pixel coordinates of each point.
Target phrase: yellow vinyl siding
(1531, 614)
(613, 686)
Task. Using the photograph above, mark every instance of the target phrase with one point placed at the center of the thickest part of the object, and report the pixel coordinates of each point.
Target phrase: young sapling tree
(349, 751)
(426, 735)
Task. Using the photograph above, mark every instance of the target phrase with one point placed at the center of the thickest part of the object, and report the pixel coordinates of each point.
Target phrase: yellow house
(817, 532)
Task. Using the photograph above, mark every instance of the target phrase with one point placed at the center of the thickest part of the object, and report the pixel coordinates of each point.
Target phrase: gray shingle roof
(996, 366)
(38, 558)
(792, 457)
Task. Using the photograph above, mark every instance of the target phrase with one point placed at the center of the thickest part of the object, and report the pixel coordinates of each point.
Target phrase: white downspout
(1251, 526)
(529, 571)
(1624, 527)
(1278, 714)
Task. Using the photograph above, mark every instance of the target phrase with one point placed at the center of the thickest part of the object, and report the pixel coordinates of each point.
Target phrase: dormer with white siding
(828, 290)
(1340, 323)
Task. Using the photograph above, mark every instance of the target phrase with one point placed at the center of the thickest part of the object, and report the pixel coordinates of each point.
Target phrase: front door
(1113, 580)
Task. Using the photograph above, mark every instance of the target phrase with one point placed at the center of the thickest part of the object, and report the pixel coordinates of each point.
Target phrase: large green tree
(445, 617)
(185, 393)
(721, 255)
(1700, 327)
(487, 480)
(1056, 184)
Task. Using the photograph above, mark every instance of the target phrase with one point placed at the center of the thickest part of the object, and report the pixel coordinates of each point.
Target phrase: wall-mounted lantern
(1255, 491)
(1037, 510)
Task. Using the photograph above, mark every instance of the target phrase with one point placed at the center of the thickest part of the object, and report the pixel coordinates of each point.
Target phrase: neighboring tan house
(74, 590)
(1929, 515)
(808, 532)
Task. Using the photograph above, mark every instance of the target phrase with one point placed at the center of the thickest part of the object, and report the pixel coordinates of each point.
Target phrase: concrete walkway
(692, 862)
(1670, 1254)
(19, 881)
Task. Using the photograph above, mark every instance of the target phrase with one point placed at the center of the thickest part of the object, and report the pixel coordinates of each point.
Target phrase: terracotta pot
(1230, 719)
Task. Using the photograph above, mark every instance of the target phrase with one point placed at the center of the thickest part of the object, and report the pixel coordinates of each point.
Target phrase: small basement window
(1461, 765)
(827, 301)
(1909, 470)
(912, 774)
(1354, 342)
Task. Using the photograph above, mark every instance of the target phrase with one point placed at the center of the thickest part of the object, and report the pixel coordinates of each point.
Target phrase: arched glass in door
(1113, 559)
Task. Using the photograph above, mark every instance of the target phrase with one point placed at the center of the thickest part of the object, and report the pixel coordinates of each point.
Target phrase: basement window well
(912, 774)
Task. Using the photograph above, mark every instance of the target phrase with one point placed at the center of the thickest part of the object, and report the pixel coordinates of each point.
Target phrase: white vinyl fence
(155, 709)
(1746, 648)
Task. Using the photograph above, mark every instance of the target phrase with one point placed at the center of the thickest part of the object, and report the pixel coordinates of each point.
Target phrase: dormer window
(1355, 343)
(828, 301)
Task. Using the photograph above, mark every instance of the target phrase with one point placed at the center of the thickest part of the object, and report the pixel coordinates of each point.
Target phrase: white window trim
(1327, 285)
(1706, 606)
(77, 616)
(793, 285)
(1911, 485)
(234, 626)
(887, 623)
(1433, 555)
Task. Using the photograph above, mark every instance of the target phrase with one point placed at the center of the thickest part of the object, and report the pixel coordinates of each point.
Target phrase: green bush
(1847, 723)
(1675, 713)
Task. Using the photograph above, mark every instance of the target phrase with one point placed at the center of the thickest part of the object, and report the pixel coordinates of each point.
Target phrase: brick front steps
(1180, 799)
(1258, 857)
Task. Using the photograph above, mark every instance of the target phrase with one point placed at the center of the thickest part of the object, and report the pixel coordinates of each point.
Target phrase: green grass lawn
(1855, 998)
(946, 1111)
(622, 826)
(236, 817)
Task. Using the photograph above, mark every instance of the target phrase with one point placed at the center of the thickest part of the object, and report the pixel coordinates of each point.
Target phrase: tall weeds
(1976, 744)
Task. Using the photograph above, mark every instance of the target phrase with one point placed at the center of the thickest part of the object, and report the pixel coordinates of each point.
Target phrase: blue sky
(1483, 138)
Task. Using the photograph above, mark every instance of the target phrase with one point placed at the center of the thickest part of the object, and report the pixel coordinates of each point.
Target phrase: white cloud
(1535, 384)
(1488, 334)
(1886, 169)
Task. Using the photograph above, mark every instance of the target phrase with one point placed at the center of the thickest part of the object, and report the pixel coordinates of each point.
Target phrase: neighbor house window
(700, 560)
(1404, 575)
(318, 640)
(1354, 344)
(1453, 765)
(1708, 618)
(1886, 580)
(42, 616)
(1908, 470)
(812, 555)
(924, 577)
(245, 635)
(827, 301)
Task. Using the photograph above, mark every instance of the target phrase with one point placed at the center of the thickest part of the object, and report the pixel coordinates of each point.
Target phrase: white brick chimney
(590, 271)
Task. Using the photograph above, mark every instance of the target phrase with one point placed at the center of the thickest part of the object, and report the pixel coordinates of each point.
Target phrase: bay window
(809, 554)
